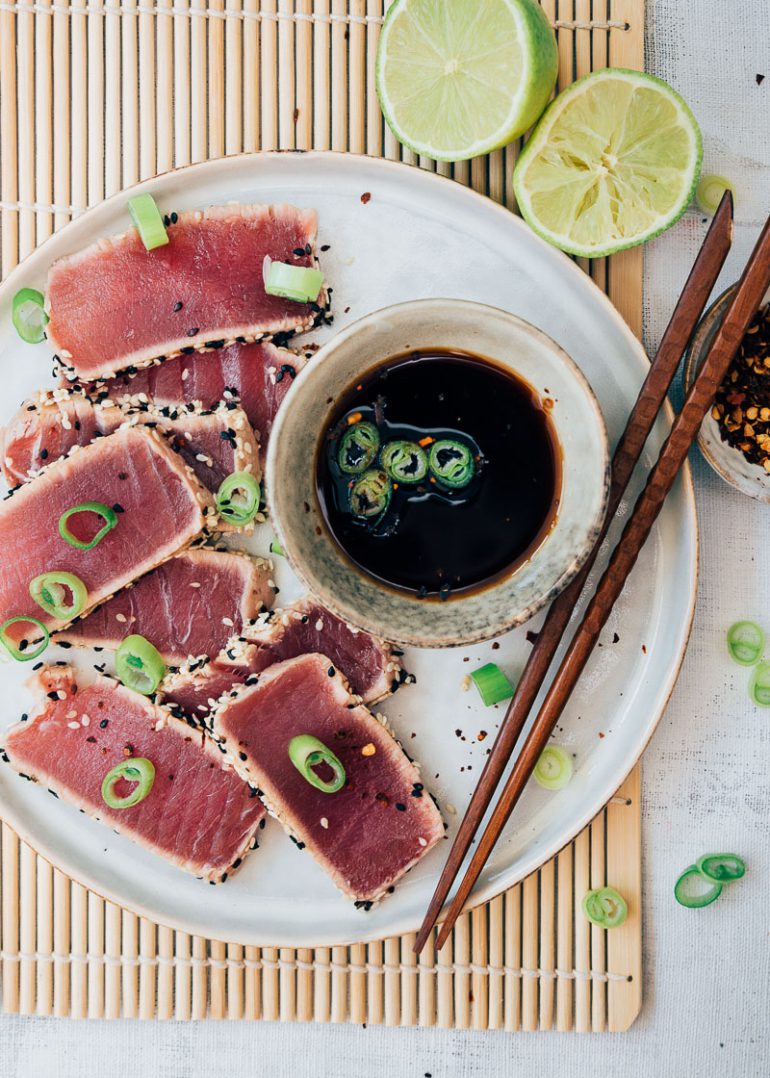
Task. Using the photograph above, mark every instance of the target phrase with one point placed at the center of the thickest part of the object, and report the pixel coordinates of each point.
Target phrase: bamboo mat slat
(94, 95)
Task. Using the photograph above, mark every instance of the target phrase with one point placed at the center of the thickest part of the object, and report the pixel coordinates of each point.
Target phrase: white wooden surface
(706, 775)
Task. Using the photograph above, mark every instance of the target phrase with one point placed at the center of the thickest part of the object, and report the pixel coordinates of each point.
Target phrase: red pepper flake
(128, 749)
(481, 735)
(366, 197)
(382, 799)
(601, 734)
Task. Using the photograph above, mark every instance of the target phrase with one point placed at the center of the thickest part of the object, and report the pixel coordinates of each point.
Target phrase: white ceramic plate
(418, 235)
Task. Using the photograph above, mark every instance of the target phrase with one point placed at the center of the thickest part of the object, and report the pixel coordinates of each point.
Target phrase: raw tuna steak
(161, 508)
(199, 815)
(213, 443)
(379, 824)
(115, 304)
(258, 376)
(370, 665)
(189, 606)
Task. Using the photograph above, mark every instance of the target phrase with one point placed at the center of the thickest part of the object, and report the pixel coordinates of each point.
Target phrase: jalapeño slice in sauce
(440, 471)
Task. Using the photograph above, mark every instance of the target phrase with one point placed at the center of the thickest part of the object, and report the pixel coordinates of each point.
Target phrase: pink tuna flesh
(115, 304)
(189, 606)
(379, 824)
(199, 815)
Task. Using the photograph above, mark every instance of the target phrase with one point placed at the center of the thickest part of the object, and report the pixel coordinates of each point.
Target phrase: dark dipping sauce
(436, 542)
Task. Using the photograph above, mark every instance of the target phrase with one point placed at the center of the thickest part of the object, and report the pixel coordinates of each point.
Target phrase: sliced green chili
(136, 769)
(28, 315)
(759, 686)
(451, 463)
(370, 494)
(148, 221)
(694, 890)
(745, 642)
(605, 907)
(106, 512)
(21, 651)
(238, 498)
(554, 768)
(721, 867)
(405, 462)
(50, 590)
(139, 664)
(307, 752)
(299, 283)
(276, 548)
(358, 448)
(492, 683)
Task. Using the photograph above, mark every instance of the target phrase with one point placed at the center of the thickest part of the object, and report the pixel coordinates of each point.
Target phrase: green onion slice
(276, 548)
(759, 686)
(554, 768)
(21, 651)
(709, 192)
(298, 283)
(492, 683)
(452, 463)
(139, 664)
(238, 498)
(370, 494)
(108, 515)
(28, 315)
(136, 769)
(148, 220)
(691, 889)
(307, 752)
(358, 448)
(721, 867)
(745, 642)
(405, 462)
(62, 595)
(605, 907)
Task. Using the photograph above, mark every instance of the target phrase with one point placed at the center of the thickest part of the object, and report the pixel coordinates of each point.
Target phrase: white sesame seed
(185, 374)
(73, 725)
(228, 621)
(71, 715)
(324, 823)
(319, 625)
(465, 684)
(85, 720)
(61, 694)
(120, 617)
(195, 583)
(450, 809)
(422, 841)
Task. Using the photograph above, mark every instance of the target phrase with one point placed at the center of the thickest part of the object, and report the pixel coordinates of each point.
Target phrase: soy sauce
(432, 541)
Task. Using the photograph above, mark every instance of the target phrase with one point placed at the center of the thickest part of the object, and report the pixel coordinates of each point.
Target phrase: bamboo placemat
(93, 97)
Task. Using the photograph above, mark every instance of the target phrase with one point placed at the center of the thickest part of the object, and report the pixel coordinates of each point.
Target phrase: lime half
(613, 162)
(458, 78)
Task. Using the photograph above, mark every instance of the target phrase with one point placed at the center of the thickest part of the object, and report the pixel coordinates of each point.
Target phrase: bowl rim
(571, 567)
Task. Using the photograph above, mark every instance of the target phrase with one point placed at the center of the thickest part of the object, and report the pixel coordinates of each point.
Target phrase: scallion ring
(721, 867)
(745, 642)
(21, 651)
(136, 769)
(106, 512)
(50, 591)
(238, 498)
(405, 462)
(298, 283)
(451, 463)
(28, 315)
(554, 768)
(307, 752)
(358, 448)
(493, 685)
(694, 891)
(759, 686)
(605, 907)
(139, 664)
(148, 221)
(709, 192)
(370, 494)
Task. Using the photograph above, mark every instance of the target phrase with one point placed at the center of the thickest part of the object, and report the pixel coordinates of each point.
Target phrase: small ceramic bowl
(307, 412)
(724, 458)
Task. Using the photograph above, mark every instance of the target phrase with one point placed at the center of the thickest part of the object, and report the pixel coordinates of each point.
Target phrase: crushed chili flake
(741, 408)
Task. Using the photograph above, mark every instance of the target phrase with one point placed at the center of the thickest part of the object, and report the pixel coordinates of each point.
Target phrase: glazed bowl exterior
(309, 408)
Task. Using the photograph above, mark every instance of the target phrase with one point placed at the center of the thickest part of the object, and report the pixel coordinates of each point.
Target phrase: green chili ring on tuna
(106, 512)
(20, 651)
(451, 462)
(405, 462)
(136, 769)
(307, 752)
(370, 494)
(358, 448)
(50, 590)
(238, 498)
(139, 664)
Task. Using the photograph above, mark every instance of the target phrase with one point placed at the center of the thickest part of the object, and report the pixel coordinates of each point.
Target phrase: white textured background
(706, 774)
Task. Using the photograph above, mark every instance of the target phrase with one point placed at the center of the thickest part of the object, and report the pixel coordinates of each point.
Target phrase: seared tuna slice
(115, 304)
(305, 627)
(161, 508)
(199, 815)
(213, 443)
(189, 606)
(379, 824)
(258, 376)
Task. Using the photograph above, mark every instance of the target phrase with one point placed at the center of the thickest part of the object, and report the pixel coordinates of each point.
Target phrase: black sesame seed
(400, 807)
(178, 305)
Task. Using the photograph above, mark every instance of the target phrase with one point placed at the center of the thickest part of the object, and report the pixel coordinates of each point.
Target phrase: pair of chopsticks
(744, 304)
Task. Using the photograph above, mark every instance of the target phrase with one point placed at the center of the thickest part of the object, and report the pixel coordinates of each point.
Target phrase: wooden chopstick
(743, 306)
(678, 332)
